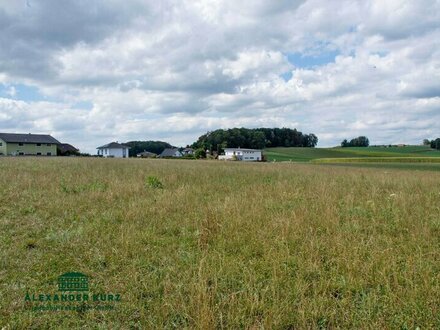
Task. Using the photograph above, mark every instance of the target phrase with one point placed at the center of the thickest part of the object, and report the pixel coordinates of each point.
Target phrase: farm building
(113, 150)
(171, 152)
(245, 155)
(13, 144)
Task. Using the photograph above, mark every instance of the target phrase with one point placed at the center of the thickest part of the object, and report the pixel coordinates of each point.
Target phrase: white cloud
(174, 69)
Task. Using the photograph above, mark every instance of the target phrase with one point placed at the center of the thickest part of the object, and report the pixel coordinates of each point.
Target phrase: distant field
(378, 160)
(221, 245)
(391, 165)
(308, 154)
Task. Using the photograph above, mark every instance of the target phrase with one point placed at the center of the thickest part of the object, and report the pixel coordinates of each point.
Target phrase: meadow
(311, 154)
(226, 245)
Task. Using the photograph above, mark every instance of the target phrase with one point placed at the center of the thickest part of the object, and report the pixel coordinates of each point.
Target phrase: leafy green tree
(200, 153)
(437, 144)
(361, 141)
(257, 138)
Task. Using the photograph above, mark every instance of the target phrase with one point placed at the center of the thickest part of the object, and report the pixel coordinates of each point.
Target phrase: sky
(92, 72)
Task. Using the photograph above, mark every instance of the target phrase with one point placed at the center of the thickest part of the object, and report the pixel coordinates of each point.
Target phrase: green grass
(390, 165)
(308, 154)
(378, 160)
(225, 245)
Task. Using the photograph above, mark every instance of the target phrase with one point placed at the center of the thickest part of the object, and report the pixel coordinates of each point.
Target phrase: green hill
(308, 154)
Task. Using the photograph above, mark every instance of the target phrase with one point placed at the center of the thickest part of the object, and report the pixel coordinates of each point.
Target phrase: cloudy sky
(89, 72)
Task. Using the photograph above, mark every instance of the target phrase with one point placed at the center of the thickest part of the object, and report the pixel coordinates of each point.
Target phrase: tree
(426, 142)
(200, 153)
(313, 141)
(257, 138)
(437, 144)
(361, 141)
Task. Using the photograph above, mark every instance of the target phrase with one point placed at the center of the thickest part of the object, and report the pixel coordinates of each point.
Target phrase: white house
(245, 155)
(113, 150)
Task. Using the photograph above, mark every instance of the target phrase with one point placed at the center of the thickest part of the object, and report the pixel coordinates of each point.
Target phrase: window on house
(21, 153)
(38, 144)
(38, 153)
(49, 154)
(20, 144)
(1, 144)
(48, 144)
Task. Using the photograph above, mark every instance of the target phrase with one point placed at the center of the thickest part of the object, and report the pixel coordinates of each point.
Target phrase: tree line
(435, 144)
(361, 141)
(256, 138)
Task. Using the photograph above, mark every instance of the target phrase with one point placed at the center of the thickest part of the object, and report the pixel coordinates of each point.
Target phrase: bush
(153, 182)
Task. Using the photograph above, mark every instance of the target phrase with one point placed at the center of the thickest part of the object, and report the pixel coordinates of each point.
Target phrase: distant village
(247, 145)
(14, 144)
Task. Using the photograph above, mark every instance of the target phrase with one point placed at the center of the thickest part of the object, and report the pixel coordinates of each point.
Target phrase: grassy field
(430, 166)
(206, 244)
(378, 160)
(308, 154)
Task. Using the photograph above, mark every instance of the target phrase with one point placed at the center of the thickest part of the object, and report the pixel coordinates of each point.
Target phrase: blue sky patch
(287, 76)
(21, 92)
(87, 105)
(381, 53)
(309, 61)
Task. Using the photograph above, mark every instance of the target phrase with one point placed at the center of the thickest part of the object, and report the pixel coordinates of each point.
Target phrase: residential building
(245, 155)
(188, 151)
(113, 150)
(13, 144)
(171, 152)
(146, 154)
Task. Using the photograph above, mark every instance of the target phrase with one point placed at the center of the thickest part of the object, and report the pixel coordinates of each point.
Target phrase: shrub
(153, 182)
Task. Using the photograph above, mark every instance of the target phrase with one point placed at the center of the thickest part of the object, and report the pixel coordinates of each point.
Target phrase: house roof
(65, 147)
(242, 149)
(28, 138)
(169, 152)
(147, 153)
(114, 145)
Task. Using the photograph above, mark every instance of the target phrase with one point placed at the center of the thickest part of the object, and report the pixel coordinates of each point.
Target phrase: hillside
(308, 154)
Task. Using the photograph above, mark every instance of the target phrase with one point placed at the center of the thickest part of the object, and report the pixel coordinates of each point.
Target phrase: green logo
(73, 282)
(73, 294)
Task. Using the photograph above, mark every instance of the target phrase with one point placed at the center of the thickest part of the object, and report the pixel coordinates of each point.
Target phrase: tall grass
(221, 245)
